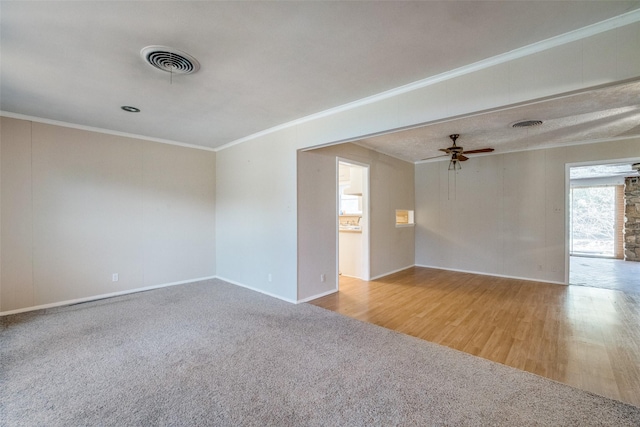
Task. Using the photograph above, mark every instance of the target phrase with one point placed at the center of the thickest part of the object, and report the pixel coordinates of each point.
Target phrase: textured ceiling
(605, 113)
(263, 63)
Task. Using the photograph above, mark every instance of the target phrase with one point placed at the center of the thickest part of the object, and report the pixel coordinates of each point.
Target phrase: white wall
(78, 206)
(390, 188)
(508, 215)
(256, 180)
(256, 215)
(317, 207)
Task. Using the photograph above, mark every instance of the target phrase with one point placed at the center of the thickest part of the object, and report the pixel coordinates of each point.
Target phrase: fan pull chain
(455, 184)
(449, 185)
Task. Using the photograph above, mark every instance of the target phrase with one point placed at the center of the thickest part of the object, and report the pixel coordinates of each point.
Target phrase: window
(349, 204)
(593, 222)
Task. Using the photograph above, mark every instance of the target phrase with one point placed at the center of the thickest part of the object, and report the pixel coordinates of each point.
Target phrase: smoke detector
(171, 60)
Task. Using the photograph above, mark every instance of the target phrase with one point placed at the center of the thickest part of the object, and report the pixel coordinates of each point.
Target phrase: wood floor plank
(585, 337)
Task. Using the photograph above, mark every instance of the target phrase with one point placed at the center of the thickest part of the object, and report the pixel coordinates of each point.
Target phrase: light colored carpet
(211, 353)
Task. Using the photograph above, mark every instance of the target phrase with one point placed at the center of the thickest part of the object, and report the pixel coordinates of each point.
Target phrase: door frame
(567, 196)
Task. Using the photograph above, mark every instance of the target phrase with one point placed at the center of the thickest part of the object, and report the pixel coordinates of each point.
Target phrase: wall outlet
(114, 277)
(270, 277)
(323, 277)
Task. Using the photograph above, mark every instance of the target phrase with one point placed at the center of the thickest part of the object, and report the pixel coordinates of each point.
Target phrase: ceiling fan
(458, 154)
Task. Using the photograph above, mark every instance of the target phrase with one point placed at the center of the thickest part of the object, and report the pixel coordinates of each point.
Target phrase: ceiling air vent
(170, 60)
(526, 123)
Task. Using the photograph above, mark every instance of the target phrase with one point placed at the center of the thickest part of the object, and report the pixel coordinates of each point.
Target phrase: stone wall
(632, 219)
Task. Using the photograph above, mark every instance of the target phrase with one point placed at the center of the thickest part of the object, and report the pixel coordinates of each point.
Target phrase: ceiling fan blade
(481, 150)
(446, 150)
(462, 158)
(435, 157)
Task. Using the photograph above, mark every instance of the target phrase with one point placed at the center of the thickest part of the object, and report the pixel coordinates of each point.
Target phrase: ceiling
(267, 63)
(588, 116)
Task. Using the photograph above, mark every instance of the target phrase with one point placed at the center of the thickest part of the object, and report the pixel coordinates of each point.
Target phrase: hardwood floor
(585, 337)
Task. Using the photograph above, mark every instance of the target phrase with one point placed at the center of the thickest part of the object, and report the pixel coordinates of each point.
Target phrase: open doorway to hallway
(604, 225)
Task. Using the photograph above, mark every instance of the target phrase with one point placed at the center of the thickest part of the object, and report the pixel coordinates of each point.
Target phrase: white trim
(391, 272)
(572, 36)
(251, 288)
(100, 130)
(336, 186)
(323, 294)
(492, 274)
(102, 296)
(567, 223)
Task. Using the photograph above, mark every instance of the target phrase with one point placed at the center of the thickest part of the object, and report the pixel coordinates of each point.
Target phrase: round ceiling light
(130, 109)
(170, 60)
(526, 123)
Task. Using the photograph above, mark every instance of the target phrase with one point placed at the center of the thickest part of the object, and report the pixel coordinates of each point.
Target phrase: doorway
(596, 220)
(352, 193)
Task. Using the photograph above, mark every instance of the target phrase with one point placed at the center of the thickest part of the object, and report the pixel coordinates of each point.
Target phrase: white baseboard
(164, 285)
(242, 285)
(101, 296)
(392, 272)
(492, 274)
(323, 294)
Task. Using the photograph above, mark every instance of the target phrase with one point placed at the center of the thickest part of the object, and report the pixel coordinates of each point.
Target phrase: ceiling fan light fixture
(454, 165)
(526, 123)
(457, 153)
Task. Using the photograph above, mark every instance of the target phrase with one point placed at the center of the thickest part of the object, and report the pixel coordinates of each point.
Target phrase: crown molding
(572, 36)
(100, 130)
